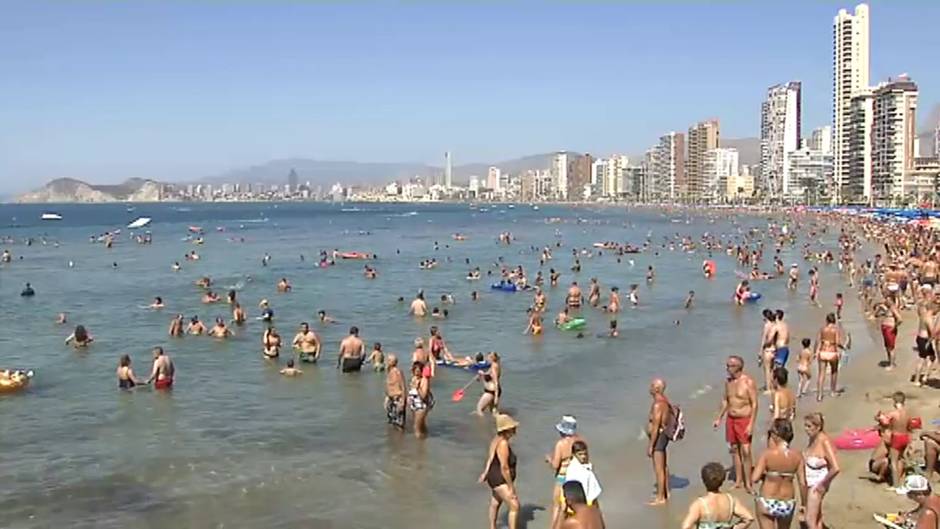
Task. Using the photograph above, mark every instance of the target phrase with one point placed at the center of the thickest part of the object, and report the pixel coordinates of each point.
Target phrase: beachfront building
(493, 175)
(720, 175)
(924, 181)
(579, 177)
(634, 181)
(668, 167)
(810, 173)
(559, 172)
(703, 137)
(780, 134)
(850, 50)
(893, 133)
(936, 140)
(856, 184)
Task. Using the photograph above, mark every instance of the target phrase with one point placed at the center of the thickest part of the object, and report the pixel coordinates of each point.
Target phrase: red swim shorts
(736, 430)
(899, 441)
(163, 383)
(890, 335)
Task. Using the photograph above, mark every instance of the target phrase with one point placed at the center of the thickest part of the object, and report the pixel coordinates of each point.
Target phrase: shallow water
(236, 445)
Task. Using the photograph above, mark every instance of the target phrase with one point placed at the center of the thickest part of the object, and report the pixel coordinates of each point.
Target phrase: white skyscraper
(720, 174)
(821, 140)
(780, 133)
(850, 39)
(669, 166)
(560, 174)
(448, 171)
(598, 171)
(857, 150)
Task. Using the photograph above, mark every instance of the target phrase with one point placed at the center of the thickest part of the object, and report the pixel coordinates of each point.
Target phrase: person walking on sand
(660, 414)
(560, 458)
(821, 468)
(828, 346)
(499, 472)
(716, 510)
(739, 403)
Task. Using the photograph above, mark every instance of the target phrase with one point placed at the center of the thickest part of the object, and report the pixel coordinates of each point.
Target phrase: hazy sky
(178, 90)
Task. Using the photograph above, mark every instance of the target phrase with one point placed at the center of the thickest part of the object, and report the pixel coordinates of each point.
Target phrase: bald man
(660, 412)
(394, 393)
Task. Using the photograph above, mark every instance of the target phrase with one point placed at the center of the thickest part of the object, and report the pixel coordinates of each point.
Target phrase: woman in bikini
(716, 510)
(271, 341)
(820, 468)
(828, 345)
(776, 468)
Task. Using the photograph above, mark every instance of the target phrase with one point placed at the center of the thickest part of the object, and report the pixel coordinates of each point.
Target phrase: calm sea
(237, 445)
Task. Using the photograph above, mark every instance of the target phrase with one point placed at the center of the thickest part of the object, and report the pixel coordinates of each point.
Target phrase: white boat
(51, 216)
(139, 223)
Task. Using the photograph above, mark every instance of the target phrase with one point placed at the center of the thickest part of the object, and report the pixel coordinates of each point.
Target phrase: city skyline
(91, 110)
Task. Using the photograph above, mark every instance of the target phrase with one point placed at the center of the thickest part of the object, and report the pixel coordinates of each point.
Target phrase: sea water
(237, 445)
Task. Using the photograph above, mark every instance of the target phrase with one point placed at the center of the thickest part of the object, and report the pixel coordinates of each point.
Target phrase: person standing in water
(126, 377)
(395, 394)
(351, 352)
(575, 297)
(419, 308)
(307, 342)
(163, 372)
(420, 399)
(271, 343)
(739, 404)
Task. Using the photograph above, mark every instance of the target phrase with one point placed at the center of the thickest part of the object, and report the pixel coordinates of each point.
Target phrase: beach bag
(674, 429)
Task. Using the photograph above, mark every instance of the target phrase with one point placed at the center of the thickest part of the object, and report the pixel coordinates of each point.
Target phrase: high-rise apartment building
(292, 181)
(493, 178)
(936, 140)
(598, 173)
(703, 137)
(855, 186)
(669, 166)
(579, 177)
(821, 140)
(559, 173)
(780, 131)
(615, 172)
(448, 171)
(850, 48)
(720, 173)
(893, 133)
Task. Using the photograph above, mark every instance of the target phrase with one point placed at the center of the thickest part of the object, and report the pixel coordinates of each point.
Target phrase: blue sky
(180, 90)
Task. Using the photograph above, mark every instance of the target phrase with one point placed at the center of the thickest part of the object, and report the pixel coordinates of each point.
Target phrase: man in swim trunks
(351, 352)
(898, 423)
(418, 307)
(739, 402)
(308, 343)
(163, 370)
(782, 340)
(926, 315)
(575, 297)
(660, 414)
(395, 394)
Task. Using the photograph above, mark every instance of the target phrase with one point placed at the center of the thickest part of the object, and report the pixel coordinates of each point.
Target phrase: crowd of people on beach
(900, 278)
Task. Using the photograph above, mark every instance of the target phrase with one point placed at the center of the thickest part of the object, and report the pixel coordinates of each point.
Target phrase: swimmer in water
(308, 343)
(80, 338)
(324, 318)
(62, 319)
(377, 357)
(210, 297)
(28, 291)
(634, 297)
(271, 344)
(535, 323)
(176, 266)
(238, 314)
(220, 330)
(196, 327)
(474, 296)
(650, 274)
(418, 307)
(689, 299)
(439, 314)
(283, 286)
(176, 326)
(290, 370)
(157, 303)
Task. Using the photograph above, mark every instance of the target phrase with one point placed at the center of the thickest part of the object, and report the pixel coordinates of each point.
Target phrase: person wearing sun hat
(927, 514)
(567, 427)
(499, 473)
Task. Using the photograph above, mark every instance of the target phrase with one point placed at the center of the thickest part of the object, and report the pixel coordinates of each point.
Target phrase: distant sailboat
(51, 216)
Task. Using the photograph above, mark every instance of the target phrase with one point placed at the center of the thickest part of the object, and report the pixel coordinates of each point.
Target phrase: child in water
(290, 370)
(803, 367)
(377, 357)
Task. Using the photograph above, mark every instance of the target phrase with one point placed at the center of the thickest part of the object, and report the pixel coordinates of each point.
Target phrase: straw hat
(505, 422)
